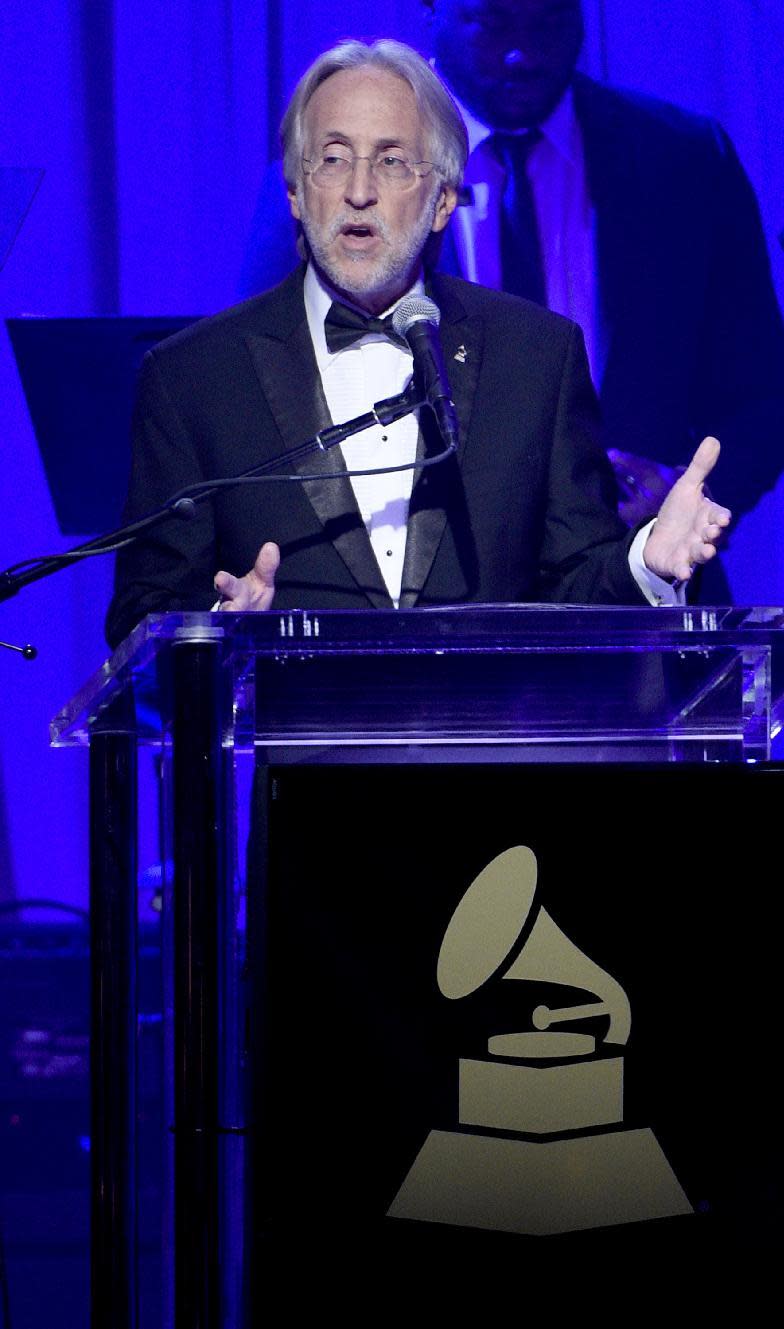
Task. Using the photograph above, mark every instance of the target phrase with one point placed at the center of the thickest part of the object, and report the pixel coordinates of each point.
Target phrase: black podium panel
(646, 901)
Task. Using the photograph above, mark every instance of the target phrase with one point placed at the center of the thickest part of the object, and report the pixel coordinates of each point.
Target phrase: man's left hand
(689, 525)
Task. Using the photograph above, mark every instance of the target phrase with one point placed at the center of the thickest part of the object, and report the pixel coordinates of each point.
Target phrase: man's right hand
(256, 590)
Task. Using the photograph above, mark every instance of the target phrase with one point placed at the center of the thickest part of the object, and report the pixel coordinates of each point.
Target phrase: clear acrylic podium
(233, 701)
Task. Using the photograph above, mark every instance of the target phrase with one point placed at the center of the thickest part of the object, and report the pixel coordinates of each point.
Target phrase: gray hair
(446, 135)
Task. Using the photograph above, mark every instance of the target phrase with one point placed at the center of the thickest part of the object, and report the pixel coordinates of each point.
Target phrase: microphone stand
(183, 503)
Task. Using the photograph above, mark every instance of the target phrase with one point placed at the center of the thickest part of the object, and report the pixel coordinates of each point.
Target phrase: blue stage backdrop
(153, 124)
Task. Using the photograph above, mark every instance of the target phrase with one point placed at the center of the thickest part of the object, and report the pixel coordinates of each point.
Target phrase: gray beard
(394, 270)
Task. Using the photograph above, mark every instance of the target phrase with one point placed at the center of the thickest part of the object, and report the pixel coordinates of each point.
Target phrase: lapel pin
(460, 355)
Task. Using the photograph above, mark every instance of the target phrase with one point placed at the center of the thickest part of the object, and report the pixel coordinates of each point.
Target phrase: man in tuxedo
(374, 151)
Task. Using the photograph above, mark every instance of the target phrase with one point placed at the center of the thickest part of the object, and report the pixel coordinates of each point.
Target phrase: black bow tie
(344, 326)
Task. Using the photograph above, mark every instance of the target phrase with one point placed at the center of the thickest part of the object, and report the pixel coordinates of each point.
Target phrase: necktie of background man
(521, 252)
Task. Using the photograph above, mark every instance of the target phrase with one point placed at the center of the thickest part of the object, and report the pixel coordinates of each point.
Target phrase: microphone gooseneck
(417, 318)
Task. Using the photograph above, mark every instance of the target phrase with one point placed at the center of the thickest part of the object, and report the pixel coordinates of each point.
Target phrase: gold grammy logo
(548, 1083)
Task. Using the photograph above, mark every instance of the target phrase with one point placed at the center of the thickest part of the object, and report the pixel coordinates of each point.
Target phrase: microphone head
(415, 309)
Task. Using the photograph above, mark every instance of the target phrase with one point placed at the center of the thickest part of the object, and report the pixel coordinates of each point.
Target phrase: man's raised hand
(689, 524)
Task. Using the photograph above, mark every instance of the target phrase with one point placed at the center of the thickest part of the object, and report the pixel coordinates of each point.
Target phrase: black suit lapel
(284, 360)
(437, 493)
(285, 363)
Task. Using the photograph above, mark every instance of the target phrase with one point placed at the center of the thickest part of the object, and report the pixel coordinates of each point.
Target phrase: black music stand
(78, 376)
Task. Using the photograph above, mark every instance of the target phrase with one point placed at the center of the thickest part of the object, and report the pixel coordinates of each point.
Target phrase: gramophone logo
(559, 1158)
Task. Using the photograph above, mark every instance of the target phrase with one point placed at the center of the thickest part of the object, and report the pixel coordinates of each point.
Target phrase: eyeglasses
(387, 168)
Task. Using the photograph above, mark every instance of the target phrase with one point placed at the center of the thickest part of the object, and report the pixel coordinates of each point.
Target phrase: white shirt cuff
(656, 590)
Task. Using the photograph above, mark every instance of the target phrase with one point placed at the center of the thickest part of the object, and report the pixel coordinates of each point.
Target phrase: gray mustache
(365, 219)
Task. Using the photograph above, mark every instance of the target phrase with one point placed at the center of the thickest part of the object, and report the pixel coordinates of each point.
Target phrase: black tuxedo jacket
(525, 512)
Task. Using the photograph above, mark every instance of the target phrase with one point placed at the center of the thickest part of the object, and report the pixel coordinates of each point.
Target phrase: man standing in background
(631, 217)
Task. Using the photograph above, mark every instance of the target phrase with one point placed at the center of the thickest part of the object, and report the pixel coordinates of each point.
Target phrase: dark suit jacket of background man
(694, 332)
(524, 514)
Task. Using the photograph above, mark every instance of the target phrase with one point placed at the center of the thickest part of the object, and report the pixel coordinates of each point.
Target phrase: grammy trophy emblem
(559, 1158)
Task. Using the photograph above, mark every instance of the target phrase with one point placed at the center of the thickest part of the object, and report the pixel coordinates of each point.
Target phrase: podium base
(540, 1188)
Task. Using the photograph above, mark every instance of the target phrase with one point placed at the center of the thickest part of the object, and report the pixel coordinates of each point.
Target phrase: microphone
(417, 318)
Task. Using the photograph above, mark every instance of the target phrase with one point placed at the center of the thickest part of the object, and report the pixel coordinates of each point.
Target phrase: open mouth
(358, 231)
